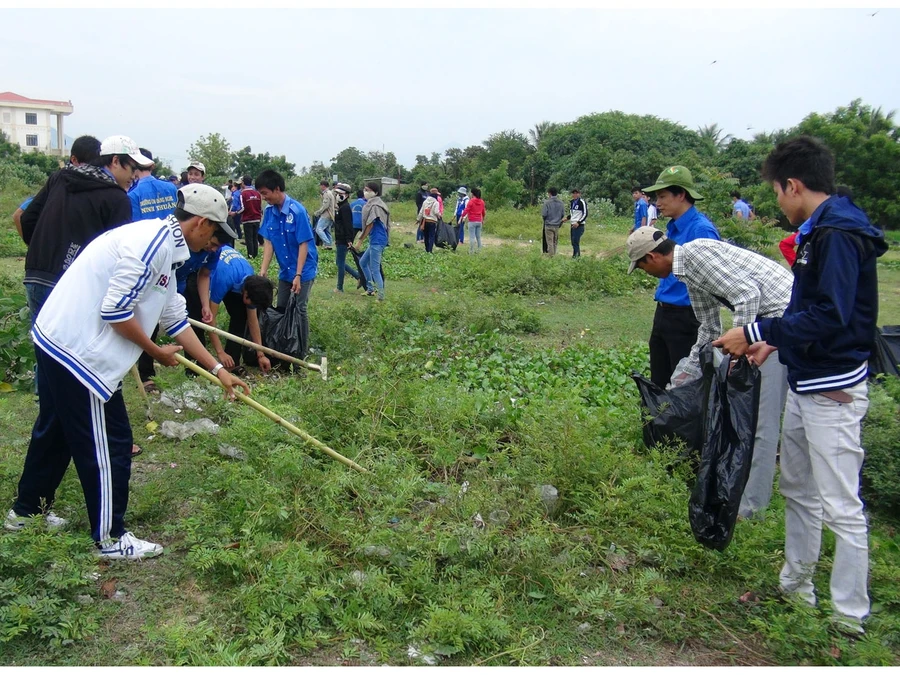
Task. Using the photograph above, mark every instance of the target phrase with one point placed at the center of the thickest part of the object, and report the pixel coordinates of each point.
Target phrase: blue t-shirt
(229, 274)
(691, 225)
(640, 212)
(236, 204)
(152, 198)
(378, 234)
(287, 228)
(207, 259)
(741, 207)
(24, 205)
(356, 208)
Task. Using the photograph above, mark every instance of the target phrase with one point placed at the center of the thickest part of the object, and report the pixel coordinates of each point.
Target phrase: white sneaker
(16, 522)
(129, 547)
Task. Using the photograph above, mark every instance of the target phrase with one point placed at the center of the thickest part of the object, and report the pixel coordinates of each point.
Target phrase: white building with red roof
(28, 122)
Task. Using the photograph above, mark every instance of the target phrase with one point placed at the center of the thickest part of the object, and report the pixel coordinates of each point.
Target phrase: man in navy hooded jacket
(824, 338)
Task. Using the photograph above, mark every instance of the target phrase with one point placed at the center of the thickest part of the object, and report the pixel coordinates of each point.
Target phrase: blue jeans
(340, 257)
(474, 236)
(576, 241)
(371, 264)
(36, 295)
(323, 229)
(461, 234)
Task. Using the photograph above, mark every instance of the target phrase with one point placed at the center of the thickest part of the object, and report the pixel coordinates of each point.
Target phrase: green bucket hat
(676, 175)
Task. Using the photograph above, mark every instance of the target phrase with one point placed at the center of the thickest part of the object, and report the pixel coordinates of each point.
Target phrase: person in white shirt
(652, 211)
(89, 333)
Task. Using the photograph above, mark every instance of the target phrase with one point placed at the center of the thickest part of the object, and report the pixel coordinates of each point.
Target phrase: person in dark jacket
(344, 234)
(577, 215)
(74, 207)
(825, 339)
(85, 149)
(421, 196)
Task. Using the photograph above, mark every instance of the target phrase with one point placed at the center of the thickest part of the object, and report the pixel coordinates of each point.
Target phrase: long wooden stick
(323, 369)
(272, 416)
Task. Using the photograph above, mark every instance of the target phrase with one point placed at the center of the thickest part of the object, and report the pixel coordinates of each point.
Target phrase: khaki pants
(552, 232)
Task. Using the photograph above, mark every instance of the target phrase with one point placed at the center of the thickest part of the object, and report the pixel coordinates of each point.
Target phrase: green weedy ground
(477, 381)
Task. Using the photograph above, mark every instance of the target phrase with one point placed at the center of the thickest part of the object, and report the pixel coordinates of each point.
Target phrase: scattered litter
(119, 596)
(152, 426)
(358, 576)
(413, 653)
(464, 488)
(550, 498)
(498, 517)
(377, 551)
(231, 451)
(151, 437)
(657, 602)
(583, 627)
(84, 599)
(478, 521)
(180, 431)
(173, 465)
(189, 395)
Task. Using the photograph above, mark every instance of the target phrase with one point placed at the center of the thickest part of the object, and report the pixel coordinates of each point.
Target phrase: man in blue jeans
(288, 236)
(324, 214)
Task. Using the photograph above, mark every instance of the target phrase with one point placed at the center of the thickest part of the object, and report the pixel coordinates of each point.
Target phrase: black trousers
(73, 424)
(674, 333)
(251, 230)
(237, 324)
(146, 369)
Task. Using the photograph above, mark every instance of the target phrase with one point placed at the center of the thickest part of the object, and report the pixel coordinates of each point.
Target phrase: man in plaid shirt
(718, 274)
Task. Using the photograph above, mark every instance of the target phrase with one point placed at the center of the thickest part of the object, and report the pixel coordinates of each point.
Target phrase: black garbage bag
(446, 235)
(280, 330)
(885, 357)
(732, 409)
(677, 413)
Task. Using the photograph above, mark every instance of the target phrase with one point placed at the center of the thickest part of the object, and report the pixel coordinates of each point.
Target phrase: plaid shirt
(719, 274)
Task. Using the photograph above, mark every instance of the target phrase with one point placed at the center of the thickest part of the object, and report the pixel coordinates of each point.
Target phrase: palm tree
(879, 121)
(540, 131)
(712, 136)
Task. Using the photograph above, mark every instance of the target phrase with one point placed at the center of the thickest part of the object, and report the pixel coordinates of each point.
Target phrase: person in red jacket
(474, 214)
(252, 215)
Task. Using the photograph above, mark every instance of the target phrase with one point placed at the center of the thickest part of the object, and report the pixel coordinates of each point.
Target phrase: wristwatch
(216, 369)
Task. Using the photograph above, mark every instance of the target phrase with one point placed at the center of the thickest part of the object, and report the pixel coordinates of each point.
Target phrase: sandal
(150, 387)
(136, 450)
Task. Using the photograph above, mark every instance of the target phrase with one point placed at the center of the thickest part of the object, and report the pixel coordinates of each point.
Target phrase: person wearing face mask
(376, 223)
(344, 234)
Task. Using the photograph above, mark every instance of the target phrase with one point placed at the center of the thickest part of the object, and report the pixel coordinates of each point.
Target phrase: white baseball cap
(122, 145)
(207, 202)
(199, 166)
(641, 242)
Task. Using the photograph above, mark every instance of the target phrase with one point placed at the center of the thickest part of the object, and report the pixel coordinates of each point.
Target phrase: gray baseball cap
(641, 242)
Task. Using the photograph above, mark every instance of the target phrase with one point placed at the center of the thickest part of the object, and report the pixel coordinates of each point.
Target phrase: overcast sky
(308, 83)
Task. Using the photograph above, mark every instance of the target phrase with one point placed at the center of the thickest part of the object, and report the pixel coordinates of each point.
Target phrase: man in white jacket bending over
(89, 333)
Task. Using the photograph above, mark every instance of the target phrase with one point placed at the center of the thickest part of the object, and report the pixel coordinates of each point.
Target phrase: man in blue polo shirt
(640, 207)
(740, 208)
(227, 285)
(674, 324)
(288, 236)
(193, 283)
(151, 197)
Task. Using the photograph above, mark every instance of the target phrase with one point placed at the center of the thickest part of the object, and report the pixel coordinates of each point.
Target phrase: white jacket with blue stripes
(126, 272)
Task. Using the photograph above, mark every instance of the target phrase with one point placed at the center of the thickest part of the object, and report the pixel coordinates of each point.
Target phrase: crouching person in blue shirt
(89, 333)
(234, 284)
(288, 237)
(825, 339)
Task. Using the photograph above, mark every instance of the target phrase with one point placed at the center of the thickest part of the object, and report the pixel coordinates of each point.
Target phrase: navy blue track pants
(74, 424)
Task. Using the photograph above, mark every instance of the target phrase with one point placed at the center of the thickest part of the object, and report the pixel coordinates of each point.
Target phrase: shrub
(881, 440)
(16, 350)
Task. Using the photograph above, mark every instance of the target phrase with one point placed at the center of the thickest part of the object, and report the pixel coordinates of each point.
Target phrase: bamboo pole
(323, 369)
(272, 416)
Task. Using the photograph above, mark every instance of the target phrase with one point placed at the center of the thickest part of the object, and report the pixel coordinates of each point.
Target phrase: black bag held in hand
(280, 330)
(676, 413)
(731, 413)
